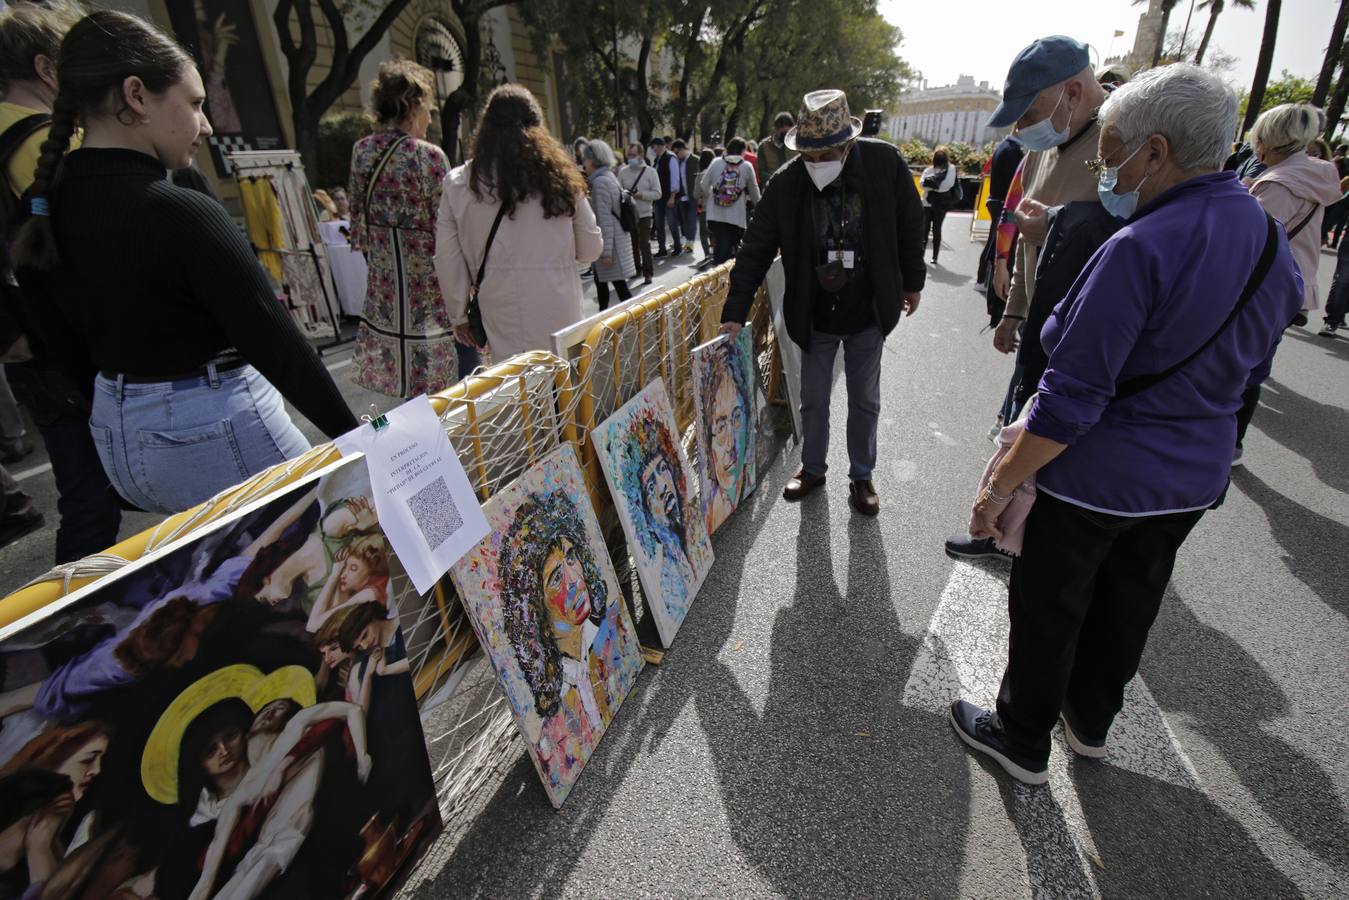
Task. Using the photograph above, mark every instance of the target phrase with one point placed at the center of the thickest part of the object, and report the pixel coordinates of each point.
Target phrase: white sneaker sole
(1025, 776)
(1077, 746)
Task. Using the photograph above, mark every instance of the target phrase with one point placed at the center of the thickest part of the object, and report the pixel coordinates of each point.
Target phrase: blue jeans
(862, 372)
(1337, 302)
(170, 445)
(686, 212)
(90, 512)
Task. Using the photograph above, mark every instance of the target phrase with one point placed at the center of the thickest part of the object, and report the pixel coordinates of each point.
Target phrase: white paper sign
(426, 505)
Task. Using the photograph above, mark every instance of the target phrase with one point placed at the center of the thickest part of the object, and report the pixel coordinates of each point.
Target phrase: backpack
(728, 189)
(13, 213)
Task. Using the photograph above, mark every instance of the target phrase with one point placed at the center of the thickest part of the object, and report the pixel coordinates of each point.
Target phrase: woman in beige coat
(530, 288)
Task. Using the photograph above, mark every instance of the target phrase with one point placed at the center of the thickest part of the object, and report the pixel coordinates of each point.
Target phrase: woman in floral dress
(405, 345)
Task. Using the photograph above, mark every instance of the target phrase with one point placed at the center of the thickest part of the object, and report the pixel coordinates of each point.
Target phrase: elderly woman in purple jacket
(1130, 437)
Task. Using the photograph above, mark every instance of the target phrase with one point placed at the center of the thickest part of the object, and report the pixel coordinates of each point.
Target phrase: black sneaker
(659, 253)
(962, 546)
(1329, 330)
(1081, 744)
(15, 526)
(1299, 320)
(981, 730)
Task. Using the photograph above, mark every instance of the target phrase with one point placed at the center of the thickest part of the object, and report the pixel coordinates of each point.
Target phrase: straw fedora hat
(824, 122)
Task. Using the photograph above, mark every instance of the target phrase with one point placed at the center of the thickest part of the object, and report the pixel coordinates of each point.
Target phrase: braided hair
(97, 56)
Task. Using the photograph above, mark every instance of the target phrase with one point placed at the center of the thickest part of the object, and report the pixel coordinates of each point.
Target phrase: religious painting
(223, 39)
(231, 717)
(544, 600)
(723, 402)
(654, 492)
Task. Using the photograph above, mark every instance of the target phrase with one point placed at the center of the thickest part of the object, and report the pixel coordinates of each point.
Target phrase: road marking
(29, 473)
(962, 656)
(340, 364)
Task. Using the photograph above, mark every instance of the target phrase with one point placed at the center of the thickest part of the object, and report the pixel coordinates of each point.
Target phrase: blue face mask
(1043, 135)
(1121, 206)
(634, 161)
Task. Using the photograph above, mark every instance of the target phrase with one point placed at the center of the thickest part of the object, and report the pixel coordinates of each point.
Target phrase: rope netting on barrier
(500, 421)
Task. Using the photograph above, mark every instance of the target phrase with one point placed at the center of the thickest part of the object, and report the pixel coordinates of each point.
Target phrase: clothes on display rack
(262, 220)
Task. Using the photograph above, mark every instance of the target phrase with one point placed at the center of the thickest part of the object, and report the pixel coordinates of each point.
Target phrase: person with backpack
(728, 181)
(643, 185)
(941, 191)
(30, 43)
(615, 265)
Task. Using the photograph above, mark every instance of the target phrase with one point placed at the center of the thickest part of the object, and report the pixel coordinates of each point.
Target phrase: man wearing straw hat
(849, 224)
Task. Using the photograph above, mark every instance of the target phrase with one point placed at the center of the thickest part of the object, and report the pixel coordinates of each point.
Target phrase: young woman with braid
(150, 291)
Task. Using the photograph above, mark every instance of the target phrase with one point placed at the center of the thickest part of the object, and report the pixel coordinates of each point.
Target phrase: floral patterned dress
(405, 345)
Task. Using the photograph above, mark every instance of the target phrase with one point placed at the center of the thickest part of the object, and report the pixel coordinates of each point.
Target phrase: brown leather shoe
(863, 497)
(800, 484)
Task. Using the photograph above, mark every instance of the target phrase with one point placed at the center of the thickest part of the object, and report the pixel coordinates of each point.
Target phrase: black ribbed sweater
(155, 280)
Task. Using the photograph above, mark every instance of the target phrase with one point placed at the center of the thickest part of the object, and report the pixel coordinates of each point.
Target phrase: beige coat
(530, 289)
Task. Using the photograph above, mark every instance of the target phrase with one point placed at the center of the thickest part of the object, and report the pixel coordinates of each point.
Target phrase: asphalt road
(792, 742)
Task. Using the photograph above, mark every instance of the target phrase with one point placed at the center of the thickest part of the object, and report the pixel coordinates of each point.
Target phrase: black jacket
(1076, 232)
(892, 221)
(662, 167)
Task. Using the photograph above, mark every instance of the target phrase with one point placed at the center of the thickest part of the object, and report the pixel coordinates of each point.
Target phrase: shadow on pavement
(836, 788)
(1313, 545)
(942, 275)
(1237, 706)
(1332, 346)
(1308, 428)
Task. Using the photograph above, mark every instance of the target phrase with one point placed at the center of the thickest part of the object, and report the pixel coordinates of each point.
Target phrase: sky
(989, 33)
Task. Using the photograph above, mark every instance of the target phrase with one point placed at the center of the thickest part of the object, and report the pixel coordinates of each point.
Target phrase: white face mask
(1043, 135)
(826, 173)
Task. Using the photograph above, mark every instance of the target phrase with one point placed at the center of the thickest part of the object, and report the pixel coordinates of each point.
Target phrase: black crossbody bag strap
(474, 308)
(1131, 386)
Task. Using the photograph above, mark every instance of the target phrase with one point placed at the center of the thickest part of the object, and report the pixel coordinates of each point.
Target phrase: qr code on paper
(437, 516)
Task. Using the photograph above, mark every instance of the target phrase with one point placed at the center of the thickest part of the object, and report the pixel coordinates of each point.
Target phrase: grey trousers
(862, 373)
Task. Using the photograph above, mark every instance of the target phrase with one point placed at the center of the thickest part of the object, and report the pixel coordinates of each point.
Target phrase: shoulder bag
(474, 308)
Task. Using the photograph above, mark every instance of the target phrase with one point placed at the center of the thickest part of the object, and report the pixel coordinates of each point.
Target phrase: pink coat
(531, 288)
(1290, 191)
(1013, 518)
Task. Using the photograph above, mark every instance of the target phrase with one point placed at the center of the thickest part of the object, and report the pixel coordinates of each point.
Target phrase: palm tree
(1215, 9)
(1332, 58)
(1263, 64)
(1166, 7)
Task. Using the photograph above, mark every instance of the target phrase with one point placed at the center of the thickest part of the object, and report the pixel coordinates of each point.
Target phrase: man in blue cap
(1052, 97)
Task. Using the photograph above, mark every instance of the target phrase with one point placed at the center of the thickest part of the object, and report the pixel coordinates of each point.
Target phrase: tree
(1215, 9)
(464, 97)
(1218, 61)
(301, 52)
(1334, 50)
(1289, 88)
(1167, 6)
(1335, 111)
(1263, 64)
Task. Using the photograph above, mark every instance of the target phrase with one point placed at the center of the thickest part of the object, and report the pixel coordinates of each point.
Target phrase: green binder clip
(378, 420)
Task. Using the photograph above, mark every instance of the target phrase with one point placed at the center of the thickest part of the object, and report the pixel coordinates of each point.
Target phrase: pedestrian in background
(1337, 301)
(521, 184)
(848, 223)
(615, 264)
(1129, 437)
(660, 161)
(1002, 167)
(406, 343)
(641, 182)
(165, 300)
(681, 207)
(705, 159)
(773, 152)
(939, 195)
(728, 185)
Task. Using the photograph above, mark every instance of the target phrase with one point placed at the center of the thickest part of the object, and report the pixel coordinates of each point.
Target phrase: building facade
(943, 115)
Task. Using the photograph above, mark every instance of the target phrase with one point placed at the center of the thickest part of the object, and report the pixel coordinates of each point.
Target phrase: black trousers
(725, 239)
(933, 223)
(602, 292)
(1084, 594)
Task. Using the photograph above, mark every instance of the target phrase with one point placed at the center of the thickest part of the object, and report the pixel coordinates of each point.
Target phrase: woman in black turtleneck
(150, 291)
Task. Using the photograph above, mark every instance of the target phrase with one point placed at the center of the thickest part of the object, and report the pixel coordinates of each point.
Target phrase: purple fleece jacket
(1151, 296)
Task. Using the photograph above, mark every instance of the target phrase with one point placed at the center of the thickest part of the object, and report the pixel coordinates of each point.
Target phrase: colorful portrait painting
(653, 489)
(545, 603)
(723, 403)
(233, 717)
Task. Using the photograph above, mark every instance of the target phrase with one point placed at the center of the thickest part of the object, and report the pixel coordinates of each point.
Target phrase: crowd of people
(1122, 211)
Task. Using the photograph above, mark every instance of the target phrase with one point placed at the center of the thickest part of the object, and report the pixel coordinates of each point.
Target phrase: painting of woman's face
(224, 753)
(84, 765)
(728, 434)
(565, 593)
(658, 484)
(355, 574)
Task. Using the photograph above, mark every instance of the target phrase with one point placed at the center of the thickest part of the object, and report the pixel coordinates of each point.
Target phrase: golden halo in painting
(159, 762)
